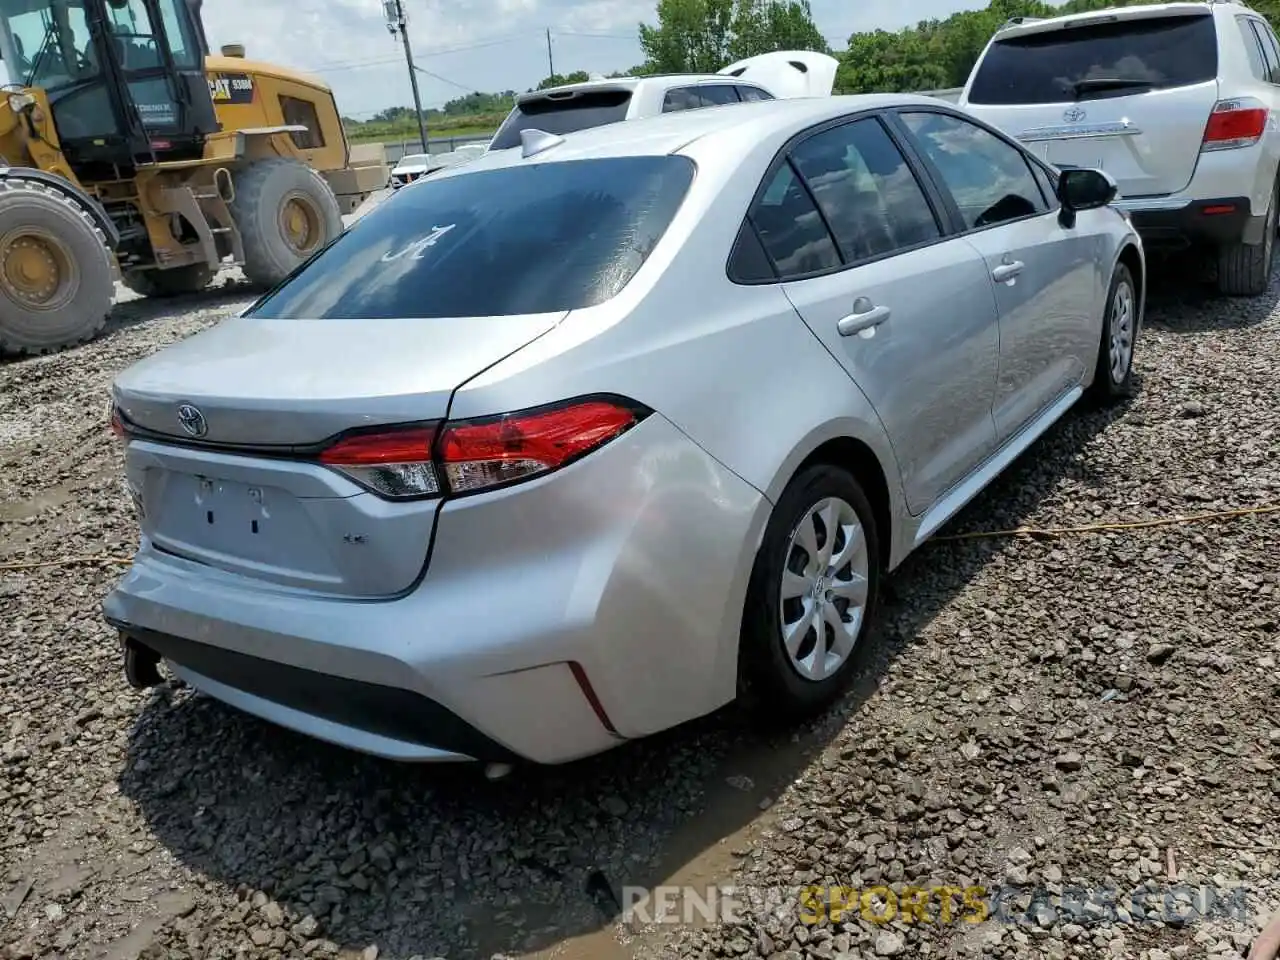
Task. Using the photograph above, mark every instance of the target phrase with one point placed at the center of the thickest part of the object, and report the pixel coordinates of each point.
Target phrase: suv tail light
(1234, 124)
(469, 456)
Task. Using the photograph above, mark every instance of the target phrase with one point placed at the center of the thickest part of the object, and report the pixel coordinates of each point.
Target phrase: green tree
(559, 79)
(701, 36)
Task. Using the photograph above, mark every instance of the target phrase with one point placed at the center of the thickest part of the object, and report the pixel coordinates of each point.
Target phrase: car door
(1045, 276)
(906, 310)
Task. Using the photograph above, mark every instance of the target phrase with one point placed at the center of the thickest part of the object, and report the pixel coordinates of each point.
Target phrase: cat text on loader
(127, 150)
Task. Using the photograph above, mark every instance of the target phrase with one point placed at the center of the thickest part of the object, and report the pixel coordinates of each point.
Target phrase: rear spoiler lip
(1121, 14)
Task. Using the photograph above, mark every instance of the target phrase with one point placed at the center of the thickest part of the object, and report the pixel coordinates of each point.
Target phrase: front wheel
(813, 590)
(1113, 378)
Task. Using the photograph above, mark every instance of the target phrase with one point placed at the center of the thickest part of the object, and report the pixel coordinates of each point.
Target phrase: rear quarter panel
(732, 367)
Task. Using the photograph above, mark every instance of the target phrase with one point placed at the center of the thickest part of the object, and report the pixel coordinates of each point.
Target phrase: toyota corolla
(586, 439)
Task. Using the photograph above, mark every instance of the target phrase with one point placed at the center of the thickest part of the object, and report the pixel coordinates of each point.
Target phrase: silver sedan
(586, 439)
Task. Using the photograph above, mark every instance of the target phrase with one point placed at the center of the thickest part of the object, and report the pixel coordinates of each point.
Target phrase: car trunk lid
(1127, 93)
(228, 426)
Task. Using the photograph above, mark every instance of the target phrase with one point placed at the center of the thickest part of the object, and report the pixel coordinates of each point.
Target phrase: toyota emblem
(192, 420)
(1073, 114)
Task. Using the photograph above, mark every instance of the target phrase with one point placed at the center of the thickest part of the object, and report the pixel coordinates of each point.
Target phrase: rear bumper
(556, 619)
(1179, 222)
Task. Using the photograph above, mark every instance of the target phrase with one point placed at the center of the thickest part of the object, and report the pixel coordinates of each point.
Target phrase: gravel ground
(1088, 710)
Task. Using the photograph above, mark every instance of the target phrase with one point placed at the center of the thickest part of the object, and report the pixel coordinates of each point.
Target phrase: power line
(427, 52)
(452, 83)
(594, 36)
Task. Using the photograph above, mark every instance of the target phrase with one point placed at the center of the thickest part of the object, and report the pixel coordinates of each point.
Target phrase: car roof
(1030, 25)
(671, 132)
(633, 83)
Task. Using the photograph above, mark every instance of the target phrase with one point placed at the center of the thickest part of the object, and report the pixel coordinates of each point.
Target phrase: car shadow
(1182, 297)
(422, 860)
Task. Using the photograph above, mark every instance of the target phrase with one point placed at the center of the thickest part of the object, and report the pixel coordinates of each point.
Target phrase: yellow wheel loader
(128, 151)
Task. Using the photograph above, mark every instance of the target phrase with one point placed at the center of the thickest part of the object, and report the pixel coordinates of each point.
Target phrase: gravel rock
(162, 824)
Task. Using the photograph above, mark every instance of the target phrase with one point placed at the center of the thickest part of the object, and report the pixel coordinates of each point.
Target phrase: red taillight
(396, 463)
(473, 455)
(117, 422)
(1234, 124)
(490, 452)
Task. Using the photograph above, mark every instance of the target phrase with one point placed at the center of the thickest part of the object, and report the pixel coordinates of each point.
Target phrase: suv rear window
(563, 115)
(535, 238)
(1078, 63)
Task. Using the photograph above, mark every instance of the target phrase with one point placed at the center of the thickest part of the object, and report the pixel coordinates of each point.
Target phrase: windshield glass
(536, 238)
(585, 110)
(46, 43)
(1116, 59)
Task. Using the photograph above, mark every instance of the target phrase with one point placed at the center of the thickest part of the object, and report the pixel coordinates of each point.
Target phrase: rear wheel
(285, 212)
(56, 274)
(168, 283)
(813, 590)
(1244, 270)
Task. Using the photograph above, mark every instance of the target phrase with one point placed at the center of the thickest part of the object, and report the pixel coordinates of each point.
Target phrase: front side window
(988, 178)
(749, 94)
(580, 111)
(48, 46)
(536, 238)
(865, 189)
(1090, 61)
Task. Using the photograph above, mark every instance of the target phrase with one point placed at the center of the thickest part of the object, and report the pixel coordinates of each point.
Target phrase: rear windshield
(535, 238)
(578, 112)
(1080, 63)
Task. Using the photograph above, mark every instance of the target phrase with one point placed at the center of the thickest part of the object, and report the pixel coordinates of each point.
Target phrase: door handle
(1007, 271)
(864, 320)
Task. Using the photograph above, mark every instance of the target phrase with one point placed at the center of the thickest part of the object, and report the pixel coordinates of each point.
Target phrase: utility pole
(551, 64)
(398, 21)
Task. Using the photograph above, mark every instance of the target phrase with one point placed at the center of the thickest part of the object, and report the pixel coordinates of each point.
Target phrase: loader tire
(285, 212)
(175, 282)
(57, 274)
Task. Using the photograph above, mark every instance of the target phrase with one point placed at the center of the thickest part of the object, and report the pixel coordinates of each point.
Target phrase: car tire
(772, 688)
(1244, 270)
(1113, 375)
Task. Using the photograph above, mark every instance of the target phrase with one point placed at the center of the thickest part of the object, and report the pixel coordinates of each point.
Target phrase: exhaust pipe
(141, 665)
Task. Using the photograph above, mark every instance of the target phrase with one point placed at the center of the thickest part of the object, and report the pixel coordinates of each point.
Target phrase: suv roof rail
(1016, 21)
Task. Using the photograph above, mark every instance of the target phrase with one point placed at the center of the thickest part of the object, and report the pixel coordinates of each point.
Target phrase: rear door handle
(1007, 271)
(865, 320)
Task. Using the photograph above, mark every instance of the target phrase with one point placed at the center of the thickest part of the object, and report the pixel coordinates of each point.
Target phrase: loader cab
(125, 78)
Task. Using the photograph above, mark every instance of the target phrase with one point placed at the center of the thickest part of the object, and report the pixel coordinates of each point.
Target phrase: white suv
(593, 103)
(1176, 101)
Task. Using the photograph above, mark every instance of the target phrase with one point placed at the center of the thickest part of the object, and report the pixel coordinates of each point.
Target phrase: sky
(486, 45)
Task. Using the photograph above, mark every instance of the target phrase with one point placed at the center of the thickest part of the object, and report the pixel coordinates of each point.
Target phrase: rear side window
(1098, 60)
(302, 113)
(749, 94)
(1253, 49)
(536, 238)
(791, 228)
(1269, 51)
(578, 111)
(713, 94)
(680, 98)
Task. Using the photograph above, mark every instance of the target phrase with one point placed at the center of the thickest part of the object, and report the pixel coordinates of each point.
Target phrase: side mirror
(1083, 189)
